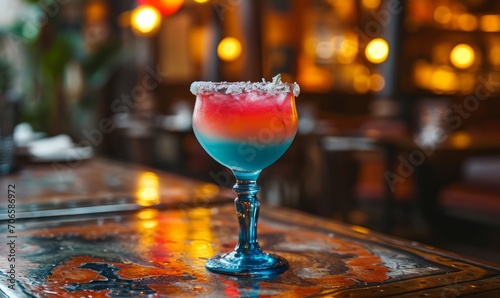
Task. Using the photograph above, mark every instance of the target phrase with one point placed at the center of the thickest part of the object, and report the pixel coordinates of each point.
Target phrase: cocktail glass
(246, 127)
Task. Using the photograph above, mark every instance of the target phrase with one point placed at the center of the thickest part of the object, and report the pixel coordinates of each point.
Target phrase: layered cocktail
(246, 127)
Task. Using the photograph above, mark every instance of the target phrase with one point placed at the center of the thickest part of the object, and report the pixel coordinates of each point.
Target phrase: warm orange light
(361, 83)
(200, 1)
(229, 49)
(95, 11)
(145, 20)
(442, 14)
(197, 40)
(371, 4)
(165, 7)
(467, 22)
(462, 56)
(200, 247)
(490, 23)
(312, 77)
(460, 140)
(494, 55)
(377, 50)
(148, 189)
(444, 79)
(441, 53)
(147, 213)
(324, 49)
(467, 82)
(206, 191)
(124, 19)
(360, 69)
(422, 74)
(360, 229)
(377, 82)
(348, 48)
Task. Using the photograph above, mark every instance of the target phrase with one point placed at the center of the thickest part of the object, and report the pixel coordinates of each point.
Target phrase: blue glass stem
(247, 258)
(247, 209)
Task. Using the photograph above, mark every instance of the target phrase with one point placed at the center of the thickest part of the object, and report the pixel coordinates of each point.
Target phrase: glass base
(248, 265)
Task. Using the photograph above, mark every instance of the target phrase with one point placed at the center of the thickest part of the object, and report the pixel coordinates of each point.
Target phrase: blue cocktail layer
(242, 155)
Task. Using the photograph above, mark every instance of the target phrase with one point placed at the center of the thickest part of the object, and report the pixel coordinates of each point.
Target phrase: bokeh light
(371, 4)
(229, 49)
(145, 20)
(494, 55)
(95, 11)
(324, 50)
(377, 50)
(460, 140)
(377, 82)
(165, 7)
(462, 56)
(490, 23)
(442, 14)
(148, 189)
(348, 48)
(467, 22)
(444, 80)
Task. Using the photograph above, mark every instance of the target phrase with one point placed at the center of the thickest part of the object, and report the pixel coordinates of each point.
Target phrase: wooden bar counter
(114, 230)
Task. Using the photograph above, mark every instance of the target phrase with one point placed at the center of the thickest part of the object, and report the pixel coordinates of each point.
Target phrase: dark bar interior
(398, 114)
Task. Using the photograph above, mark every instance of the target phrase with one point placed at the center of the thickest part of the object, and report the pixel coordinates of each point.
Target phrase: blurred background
(399, 122)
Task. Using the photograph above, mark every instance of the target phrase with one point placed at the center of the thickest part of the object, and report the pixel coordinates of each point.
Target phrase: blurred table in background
(161, 248)
(101, 185)
(435, 165)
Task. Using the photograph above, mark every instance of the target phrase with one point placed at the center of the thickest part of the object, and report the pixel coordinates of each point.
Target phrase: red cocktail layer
(271, 118)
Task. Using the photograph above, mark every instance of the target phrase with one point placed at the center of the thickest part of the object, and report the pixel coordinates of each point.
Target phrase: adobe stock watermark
(123, 104)
(48, 9)
(381, 19)
(35, 20)
(453, 117)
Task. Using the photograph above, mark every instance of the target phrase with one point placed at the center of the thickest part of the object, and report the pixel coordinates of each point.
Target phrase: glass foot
(249, 265)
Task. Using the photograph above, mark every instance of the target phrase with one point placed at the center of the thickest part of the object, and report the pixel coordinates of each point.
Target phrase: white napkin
(24, 134)
(59, 147)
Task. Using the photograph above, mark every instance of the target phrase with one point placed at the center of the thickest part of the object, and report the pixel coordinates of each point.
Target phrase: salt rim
(274, 87)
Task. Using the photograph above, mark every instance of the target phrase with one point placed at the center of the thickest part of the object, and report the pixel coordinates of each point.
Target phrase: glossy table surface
(157, 245)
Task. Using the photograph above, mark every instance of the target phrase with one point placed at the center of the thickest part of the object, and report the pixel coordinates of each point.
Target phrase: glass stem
(247, 209)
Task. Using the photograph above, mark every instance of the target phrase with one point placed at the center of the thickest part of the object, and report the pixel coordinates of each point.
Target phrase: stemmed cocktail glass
(246, 127)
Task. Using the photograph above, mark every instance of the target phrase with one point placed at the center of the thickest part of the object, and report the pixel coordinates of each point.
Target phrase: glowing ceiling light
(145, 20)
(377, 50)
(462, 56)
(229, 49)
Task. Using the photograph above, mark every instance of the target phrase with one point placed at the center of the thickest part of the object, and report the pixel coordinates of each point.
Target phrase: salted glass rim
(274, 87)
